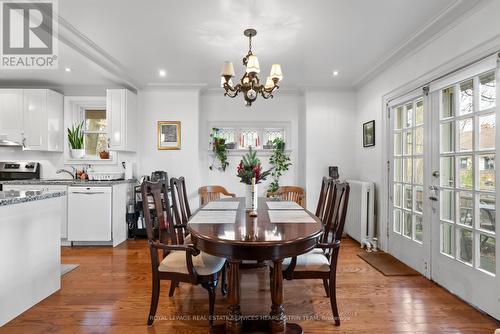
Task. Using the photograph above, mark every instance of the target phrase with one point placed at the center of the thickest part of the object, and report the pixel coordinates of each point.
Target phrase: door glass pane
(466, 176)
(447, 103)
(419, 140)
(407, 224)
(408, 143)
(487, 126)
(487, 212)
(447, 137)
(465, 208)
(398, 119)
(419, 112)
(487, 253)
(397, 144)
(407, 197)
(487, 180)
(447, 238)
(409, 115)
(447, 205)
(419, 199)
(447, 173)
(419, 171)
(465, 135)
(419, 228)
(397, 195)
(407, 170)
(397, 221)
(487, 91)
(398, 170)
(465, 245)
(466, 97)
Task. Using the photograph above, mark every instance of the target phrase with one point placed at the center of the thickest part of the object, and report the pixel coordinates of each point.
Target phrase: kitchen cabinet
(33, 117)
(64, 200)
(43, 120)
(89, 213)
(11, 114)
(121, 108)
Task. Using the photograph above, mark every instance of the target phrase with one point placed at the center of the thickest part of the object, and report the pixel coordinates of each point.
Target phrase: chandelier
(249, 84)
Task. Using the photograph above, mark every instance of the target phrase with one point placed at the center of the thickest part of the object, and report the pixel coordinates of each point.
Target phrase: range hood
(9, 143)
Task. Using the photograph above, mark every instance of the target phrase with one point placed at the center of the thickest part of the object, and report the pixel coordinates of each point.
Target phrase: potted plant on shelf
(75, 139)
(220, 151)
(250, 171)
(280, 162)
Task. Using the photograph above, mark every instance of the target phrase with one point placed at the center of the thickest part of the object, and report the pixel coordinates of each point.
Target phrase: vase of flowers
(251, 174)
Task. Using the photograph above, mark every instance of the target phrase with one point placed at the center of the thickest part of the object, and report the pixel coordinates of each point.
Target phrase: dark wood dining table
(255, 238)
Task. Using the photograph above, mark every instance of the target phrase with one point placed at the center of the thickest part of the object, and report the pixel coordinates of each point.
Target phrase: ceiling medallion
(249, 84)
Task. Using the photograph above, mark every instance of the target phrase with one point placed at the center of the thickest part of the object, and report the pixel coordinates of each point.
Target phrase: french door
(442, 183)
(409, 236)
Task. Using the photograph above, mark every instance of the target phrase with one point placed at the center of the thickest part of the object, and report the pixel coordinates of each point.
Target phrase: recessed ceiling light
(67, 69)
(162, 73)
(335, 73)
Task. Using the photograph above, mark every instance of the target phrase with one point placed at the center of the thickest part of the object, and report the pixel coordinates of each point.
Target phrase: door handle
(433, 190)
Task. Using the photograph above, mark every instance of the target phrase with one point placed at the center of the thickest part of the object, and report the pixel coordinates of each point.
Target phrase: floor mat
(388, 264)
(66, 268)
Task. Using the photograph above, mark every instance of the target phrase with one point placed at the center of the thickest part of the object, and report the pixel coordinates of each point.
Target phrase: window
(95, 132)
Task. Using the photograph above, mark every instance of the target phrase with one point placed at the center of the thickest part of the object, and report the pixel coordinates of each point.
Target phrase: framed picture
(169, 135)
(369, 134)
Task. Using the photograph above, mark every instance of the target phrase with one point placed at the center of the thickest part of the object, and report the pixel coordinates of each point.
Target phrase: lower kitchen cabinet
(92, 215)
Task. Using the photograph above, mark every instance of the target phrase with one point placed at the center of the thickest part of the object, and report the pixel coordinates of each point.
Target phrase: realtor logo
(28, 36)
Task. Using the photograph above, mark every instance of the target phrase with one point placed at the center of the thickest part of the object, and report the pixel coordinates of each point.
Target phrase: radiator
(360, 220)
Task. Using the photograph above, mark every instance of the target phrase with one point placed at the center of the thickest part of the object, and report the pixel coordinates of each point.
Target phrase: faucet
(73, 175)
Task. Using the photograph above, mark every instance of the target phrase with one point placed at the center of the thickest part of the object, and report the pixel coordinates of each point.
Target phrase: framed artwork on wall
(169, 135)
(369, 134)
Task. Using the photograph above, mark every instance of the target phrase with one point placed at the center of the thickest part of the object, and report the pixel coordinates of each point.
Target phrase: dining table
(279, 230)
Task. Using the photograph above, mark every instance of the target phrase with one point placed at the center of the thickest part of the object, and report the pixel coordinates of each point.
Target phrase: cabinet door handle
(85, 193)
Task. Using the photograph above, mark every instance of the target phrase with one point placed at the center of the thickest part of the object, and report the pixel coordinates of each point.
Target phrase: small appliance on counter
(19, 170)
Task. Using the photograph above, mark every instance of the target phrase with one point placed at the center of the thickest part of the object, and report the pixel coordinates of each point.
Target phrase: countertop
(67, 182)
(15, 197)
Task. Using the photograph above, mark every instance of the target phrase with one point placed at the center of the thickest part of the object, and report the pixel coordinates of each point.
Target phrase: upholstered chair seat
(203, 263)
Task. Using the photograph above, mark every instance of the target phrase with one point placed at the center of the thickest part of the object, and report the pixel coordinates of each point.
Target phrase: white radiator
(360, 220)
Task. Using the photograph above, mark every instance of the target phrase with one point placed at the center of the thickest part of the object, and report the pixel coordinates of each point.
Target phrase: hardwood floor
(110, 293)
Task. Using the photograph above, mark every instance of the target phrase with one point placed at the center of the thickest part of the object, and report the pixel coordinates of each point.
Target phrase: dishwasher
(89, 213)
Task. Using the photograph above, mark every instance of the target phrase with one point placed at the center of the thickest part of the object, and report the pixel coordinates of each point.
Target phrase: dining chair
(321, 262)
(180, 203)
(179, 262)
(290, 193)
(212, 193)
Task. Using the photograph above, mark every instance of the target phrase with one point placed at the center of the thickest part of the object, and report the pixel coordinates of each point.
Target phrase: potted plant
(75, 139)
(220, 151)
(280, 162)
(250, 171)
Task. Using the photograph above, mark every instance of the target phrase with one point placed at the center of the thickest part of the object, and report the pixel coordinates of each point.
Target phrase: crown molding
(435, 27)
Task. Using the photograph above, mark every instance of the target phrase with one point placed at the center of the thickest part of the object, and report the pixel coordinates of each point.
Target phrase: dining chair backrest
(157, 211)
(290, 193)
(323, 209)
(180, 207)
(334, 226)
(212, 193)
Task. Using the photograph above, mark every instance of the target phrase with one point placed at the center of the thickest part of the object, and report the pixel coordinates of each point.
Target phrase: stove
(19, 170)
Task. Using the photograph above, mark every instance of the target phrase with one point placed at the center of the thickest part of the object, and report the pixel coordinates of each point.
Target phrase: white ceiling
(190, 39)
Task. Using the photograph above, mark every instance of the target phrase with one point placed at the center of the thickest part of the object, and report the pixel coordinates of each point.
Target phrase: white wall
(329, 128)
(478, 31)
(170, 105)
(216, 108)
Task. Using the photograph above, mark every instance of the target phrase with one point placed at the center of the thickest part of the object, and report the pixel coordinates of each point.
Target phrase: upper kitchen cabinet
(121, 106)
(32, 117)
(43, 120)
(11, 114)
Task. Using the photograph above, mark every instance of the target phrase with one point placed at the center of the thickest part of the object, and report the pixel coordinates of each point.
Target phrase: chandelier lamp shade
(249, 84)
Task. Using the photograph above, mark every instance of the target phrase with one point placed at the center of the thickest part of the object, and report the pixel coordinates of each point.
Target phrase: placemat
(221, 205)
(214, 217)
(282, 205)
(290, 216)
